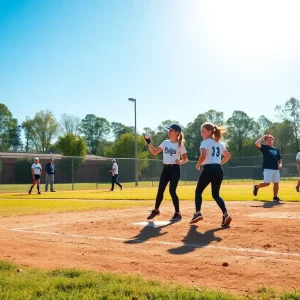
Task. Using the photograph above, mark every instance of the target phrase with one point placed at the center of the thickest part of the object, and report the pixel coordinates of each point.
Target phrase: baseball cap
(175, 127)
(113, 160)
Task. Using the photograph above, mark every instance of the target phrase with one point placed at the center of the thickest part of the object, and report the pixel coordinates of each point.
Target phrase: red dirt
(254, 252)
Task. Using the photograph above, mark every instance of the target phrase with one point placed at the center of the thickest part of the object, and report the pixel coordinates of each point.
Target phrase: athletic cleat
(255, 190)
(297, 189)
(39, 193)
(52, 191)
(196, 218)
(176, 218)
(276, 199)
(29, 192)
(226, 220)
(153, 214)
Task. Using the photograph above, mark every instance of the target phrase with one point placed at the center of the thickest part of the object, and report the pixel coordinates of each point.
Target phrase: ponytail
(217, 132)
(180, 139)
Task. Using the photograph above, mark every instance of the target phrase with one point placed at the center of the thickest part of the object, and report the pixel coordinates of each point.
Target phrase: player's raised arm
(153, 150)
(259, 142)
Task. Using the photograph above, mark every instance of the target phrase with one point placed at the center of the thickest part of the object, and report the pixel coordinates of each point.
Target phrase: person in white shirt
(212, 152)
(36, 172)
(174, 155)
(115, 173)
(298, 168)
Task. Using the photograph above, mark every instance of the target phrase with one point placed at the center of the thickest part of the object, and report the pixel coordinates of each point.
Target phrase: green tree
(40, 130)
(124, 148)
(265, 124)
(118, 129)
(290, 111)
(215, 117)
(283, 136)
(193, 137)
(71, 145)
(95, 130)
(241, 128)
(10, 133)
(70, 124)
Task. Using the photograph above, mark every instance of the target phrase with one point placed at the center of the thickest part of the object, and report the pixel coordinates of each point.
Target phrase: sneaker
(255, 190)
(276, 199)
(297, 188)
(176, 218)
(153, 214)
(196, 218)
(226, 219)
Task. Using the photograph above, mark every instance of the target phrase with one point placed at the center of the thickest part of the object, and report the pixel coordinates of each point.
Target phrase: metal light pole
(135, 144)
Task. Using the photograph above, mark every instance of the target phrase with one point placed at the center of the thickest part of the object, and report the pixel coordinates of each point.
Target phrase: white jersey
(214, 151)
(171, 151)
(115, 169)
(298, 156)
(37, 168)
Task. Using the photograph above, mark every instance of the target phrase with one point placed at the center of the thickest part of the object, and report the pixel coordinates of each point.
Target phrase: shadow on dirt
(147, 233)
(268, 204)
(195, 239)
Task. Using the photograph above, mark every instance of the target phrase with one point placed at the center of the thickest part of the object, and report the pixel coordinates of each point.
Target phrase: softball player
(115, 173)
(272, 164)
(36, 171)
(211, 159)
(174, 155)
(298, 168)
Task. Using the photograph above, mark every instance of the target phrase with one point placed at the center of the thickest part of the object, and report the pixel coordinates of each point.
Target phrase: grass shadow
(195, 239)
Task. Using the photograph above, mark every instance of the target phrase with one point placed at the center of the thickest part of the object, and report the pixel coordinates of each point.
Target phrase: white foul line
(137, 241)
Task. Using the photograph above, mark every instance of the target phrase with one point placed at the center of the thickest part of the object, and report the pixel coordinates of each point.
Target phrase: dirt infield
(261, 248)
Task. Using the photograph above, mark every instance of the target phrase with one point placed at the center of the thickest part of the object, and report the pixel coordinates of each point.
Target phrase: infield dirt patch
(257, 250)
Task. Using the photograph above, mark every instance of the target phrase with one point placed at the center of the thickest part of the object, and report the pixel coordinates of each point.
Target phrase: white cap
(113, 160)
(36, 158)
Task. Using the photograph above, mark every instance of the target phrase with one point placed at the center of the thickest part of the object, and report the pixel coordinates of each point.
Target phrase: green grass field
(30, 283)
(18, 203)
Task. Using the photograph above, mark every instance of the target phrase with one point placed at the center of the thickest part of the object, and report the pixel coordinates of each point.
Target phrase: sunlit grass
(18, 283)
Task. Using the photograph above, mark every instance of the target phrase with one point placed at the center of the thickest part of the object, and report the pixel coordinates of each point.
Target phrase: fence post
(72, 173)
(97, 174)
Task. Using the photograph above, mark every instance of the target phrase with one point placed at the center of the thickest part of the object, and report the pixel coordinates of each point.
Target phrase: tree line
(73, 136)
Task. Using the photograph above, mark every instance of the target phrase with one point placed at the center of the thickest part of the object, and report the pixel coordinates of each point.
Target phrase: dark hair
(216, 131)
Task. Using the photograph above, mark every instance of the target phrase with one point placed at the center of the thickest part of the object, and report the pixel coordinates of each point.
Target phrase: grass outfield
(13, 188)
(58, 284)
(85, 200)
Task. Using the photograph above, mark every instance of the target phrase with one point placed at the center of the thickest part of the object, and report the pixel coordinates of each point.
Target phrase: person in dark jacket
(50, 173)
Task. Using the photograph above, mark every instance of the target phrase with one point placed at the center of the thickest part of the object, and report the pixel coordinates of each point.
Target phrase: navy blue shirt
(50, 168)
(271, 156)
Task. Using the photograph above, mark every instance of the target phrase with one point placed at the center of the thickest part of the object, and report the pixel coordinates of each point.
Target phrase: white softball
(147, 136)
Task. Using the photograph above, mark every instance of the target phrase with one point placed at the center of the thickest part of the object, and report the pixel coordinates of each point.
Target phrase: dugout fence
(92, 172)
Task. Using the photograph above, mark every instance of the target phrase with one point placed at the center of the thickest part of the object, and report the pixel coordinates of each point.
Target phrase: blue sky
(177, 57)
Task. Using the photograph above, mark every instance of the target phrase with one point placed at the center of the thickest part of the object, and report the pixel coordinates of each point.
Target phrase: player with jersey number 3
(212, 152)
(174, 155)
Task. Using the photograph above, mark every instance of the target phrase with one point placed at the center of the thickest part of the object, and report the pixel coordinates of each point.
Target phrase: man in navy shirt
(50, 173)
(272, 164)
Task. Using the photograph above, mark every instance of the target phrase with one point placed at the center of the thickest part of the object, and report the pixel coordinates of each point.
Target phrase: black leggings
(212, 173)
(114, 180)
(170, 173)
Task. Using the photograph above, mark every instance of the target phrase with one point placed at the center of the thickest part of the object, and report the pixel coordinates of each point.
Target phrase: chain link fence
(74, 173)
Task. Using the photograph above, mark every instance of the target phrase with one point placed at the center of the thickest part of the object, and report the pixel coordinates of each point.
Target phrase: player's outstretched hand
(147, 138)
